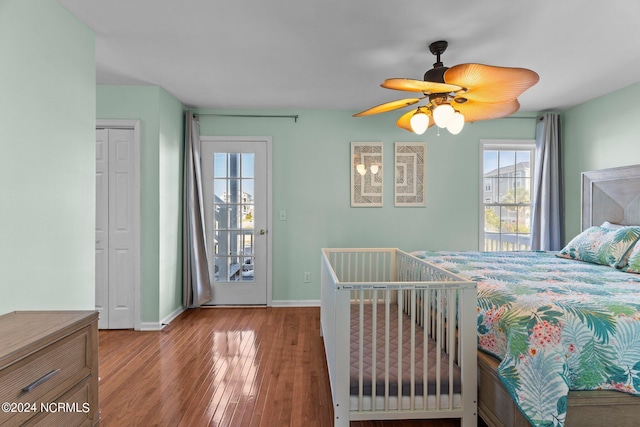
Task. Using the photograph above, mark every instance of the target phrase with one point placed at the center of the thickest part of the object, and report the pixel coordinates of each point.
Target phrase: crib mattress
(394, 365)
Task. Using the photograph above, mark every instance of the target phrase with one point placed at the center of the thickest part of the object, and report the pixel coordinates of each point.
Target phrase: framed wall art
(366, 174)
(410, 174)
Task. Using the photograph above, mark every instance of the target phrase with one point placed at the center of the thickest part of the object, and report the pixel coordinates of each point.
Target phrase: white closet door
(115, 228)
(102, 226)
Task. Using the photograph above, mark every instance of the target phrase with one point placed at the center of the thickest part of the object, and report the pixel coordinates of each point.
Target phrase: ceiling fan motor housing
(436, 74)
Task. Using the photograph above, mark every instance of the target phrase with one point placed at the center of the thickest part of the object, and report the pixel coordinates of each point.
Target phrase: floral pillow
(634, 260)
(611, 225)
(604, 246)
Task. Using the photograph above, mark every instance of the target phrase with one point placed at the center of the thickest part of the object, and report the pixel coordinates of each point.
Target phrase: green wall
(47, 158)
(170, 202)
(311, 182)
(49, 105)
(601, 133)
(161, 133)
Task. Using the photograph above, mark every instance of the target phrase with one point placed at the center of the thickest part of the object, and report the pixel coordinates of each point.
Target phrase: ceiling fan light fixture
(442, 115)
(456, 123)
(419, 122)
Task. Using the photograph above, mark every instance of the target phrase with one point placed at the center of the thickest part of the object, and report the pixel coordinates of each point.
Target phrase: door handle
(262, 231)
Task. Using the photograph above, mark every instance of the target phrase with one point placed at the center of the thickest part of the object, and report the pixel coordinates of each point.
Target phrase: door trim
(268, 142)
(135, 126)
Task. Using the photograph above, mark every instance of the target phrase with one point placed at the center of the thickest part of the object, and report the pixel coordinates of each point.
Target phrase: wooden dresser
(49, 368)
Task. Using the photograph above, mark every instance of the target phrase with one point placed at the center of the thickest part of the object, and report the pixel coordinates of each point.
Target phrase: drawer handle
(40, 380)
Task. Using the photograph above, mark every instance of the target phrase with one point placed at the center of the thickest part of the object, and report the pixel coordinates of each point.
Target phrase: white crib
(382, 310)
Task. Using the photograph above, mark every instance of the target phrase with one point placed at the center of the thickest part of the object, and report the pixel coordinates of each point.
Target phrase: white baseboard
(175, 313)
(150, 326)
(296, 303)
(158, 326)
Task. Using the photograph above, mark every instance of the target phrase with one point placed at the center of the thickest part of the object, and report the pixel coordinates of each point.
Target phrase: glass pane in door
(234, 213)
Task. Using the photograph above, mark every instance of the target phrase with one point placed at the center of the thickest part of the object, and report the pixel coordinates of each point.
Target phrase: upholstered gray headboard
(611, 195)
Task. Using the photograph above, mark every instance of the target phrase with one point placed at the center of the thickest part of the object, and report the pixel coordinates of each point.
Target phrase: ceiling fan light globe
(419, 123)
(456, 123)
(442, 115)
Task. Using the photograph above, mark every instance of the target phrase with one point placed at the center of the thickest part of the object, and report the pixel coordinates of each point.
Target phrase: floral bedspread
(556, 324)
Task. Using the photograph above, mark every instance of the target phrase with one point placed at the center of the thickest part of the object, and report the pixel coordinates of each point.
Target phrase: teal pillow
(599, 245)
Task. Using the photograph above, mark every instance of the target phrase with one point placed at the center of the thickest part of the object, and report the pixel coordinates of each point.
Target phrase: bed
(559, 338)
(399, 337)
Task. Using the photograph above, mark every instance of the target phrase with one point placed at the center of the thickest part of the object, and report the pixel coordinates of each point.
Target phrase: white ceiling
(333, 54)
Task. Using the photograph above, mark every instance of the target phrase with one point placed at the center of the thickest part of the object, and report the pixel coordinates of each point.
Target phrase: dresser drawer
(45, 375)
(73, 411)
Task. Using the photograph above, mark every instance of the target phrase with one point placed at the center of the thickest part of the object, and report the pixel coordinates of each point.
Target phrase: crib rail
(382, 291)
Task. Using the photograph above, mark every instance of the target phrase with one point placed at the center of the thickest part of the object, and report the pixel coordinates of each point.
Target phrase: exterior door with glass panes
(235, 186)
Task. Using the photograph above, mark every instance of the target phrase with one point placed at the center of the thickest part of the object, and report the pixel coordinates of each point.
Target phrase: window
(233, 233)
(506, 183)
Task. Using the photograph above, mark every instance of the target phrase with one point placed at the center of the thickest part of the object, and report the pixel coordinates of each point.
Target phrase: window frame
(501, 145)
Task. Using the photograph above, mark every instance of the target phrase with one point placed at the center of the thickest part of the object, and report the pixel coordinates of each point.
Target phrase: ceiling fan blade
(475, 111)
(419, 86)
(388, 106)
(488, 83)
(404, 122)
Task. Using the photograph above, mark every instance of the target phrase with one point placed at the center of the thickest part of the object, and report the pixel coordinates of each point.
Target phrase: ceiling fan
(462, 93)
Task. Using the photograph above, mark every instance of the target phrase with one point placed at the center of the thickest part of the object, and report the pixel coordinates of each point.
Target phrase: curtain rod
(294, 117)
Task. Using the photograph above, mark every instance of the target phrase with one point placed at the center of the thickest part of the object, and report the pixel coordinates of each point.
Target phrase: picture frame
(366, 174)
(410, 188)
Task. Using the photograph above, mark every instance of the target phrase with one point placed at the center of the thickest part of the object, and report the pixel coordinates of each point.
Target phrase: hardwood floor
(222, 367)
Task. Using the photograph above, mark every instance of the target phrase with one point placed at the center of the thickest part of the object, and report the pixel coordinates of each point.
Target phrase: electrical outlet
(307, 277)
